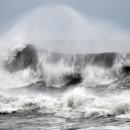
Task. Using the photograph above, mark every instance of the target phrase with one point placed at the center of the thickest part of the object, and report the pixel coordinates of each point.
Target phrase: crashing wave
(57, 69)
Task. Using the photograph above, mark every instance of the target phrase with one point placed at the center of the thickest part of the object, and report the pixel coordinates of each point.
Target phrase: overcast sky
(117, 11)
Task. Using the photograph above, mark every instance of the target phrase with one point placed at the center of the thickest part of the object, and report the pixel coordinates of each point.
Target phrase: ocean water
(38, 92)
(52, 78)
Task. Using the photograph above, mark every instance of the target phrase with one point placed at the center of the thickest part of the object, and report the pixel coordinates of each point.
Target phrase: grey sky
(117, 11)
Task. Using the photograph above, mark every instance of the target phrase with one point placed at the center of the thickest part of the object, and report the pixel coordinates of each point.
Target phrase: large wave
(55, 67)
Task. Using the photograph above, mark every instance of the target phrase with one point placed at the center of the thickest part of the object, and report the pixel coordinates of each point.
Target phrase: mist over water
(52, 64)
(62, 28)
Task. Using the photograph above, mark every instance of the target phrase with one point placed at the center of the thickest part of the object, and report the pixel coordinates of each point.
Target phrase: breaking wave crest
(57, 69)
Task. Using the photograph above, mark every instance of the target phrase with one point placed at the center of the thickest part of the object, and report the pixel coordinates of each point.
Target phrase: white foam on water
(121, 127)
(75, 103)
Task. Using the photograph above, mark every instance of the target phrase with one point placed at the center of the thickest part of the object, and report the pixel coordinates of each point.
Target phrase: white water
(75, 103)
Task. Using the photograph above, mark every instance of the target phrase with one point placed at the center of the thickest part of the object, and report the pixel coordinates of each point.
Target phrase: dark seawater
(38, 121)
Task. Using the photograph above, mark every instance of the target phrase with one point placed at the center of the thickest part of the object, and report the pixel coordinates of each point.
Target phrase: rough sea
(55, 76)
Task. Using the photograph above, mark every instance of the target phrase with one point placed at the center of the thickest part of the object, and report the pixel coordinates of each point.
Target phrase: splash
(62, 28)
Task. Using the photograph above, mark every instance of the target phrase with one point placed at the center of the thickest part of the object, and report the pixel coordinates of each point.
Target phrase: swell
(59, 69)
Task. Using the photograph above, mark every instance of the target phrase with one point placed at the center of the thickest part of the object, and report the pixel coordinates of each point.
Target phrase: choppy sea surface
(37, 121)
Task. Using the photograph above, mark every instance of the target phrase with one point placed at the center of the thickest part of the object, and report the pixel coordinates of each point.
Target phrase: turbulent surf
(82, 84)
